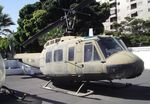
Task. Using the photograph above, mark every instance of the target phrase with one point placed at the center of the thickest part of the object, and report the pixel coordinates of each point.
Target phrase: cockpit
(110, 45)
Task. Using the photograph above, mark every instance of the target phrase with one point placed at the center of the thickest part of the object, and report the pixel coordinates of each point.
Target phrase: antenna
(91, 34)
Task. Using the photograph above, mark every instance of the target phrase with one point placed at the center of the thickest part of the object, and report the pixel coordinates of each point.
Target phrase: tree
(137, 26)
(34, 17)
(146, 25)
(136, 32)
(5, 21)
(116, 26)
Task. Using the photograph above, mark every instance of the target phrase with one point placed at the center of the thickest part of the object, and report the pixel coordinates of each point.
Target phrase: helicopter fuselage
(90, 58)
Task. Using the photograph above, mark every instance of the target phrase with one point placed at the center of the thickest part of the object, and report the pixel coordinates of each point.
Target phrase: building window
(112, 27)
(90, 53)
(148, 9)
(113, 19)
(133, 6)
(113, 5)
(134, 14)
(148, 1)
(58, 55)
(118, 3)
(140, 3)
(132, 0)
(87, 52)
(128, 7)
(140, 11)
(71, 54)
(48, 57)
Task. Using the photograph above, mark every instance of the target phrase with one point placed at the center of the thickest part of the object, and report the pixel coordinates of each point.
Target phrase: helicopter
(82, 59)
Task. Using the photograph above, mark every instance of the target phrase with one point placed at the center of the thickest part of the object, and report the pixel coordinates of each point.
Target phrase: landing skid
(120, 85)
(77, 93)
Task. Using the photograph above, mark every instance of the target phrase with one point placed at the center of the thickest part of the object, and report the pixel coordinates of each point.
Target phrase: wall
(143, 53)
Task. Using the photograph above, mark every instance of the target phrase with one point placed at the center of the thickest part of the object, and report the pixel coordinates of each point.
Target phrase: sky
(12, 8)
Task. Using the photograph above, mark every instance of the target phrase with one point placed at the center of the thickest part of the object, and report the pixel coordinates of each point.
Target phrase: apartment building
(119, 9)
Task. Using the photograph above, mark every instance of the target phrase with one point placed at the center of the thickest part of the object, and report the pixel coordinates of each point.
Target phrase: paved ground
(138, 93)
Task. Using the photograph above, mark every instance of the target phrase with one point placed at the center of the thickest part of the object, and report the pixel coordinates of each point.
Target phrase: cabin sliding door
(91, 63)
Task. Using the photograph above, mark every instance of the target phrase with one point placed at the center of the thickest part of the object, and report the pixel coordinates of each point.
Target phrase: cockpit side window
(48, 57)
(109, 46)
(90, 53)
(87, 52)
(96, 56)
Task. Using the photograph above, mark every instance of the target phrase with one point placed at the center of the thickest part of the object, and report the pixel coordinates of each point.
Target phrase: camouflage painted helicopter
(83, 58)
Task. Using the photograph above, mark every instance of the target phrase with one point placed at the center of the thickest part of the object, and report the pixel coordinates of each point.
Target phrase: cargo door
(70, 62)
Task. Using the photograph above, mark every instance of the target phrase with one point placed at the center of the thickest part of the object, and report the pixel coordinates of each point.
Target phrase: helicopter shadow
(29, 99)
(118, 90)
(133, 92)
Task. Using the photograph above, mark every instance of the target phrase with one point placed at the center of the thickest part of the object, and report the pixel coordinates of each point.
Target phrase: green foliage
(3, 44)
(134, 31)
(54, 33)
(5, 21)
(27, 11)
(40, 18)
(136, 40)
(34, 17)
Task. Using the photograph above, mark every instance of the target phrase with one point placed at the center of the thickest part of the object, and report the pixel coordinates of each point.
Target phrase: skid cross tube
(77, 93)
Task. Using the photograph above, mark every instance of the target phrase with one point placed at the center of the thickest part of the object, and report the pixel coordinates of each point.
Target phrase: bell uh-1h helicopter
(82, 59)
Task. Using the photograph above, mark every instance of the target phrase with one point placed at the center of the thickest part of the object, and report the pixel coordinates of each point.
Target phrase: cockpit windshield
(109, 46)
(122, 43)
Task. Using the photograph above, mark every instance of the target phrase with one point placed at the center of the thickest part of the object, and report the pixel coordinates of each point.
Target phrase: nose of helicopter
(124, 65)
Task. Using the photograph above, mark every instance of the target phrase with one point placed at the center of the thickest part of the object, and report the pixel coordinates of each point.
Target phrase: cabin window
(48, 57)
(90, 53)
(96, 56)
(58, 55)
(71, 54)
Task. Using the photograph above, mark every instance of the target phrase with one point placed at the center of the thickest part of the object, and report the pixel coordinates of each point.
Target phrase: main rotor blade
(44, 30)
(61, 21)
(83, 4)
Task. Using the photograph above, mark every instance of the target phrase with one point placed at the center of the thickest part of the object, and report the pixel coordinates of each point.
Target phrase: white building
(119, 9)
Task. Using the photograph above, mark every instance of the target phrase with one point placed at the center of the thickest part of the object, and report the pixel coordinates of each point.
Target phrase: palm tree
(5, 21)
